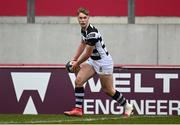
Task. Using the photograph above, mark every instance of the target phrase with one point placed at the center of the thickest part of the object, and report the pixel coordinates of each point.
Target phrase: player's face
(83, 20)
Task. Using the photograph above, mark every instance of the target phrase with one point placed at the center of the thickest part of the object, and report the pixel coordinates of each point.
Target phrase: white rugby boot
(128, 110)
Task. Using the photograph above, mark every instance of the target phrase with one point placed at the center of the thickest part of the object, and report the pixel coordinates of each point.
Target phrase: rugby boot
(128, 110)
(74, 112)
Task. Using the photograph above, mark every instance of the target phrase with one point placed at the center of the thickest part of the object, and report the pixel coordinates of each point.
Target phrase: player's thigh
(107, 84)
(84, 74)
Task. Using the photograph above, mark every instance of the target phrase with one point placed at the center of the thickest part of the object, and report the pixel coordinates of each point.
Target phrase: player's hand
(75, 66)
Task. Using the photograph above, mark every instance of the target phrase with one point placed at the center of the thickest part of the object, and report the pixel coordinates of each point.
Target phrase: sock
(119, 98)
(79, 95)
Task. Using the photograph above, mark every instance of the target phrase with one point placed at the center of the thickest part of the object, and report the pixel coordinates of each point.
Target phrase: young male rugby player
(93, 57)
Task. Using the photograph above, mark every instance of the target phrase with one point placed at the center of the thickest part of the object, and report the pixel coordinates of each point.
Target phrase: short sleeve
(92, 38)
(82, 37)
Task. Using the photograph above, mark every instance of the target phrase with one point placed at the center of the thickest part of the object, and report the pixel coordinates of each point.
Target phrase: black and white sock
(119, 98)
(79, 94)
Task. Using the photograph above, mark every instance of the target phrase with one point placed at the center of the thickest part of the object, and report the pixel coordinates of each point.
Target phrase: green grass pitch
(87, 119)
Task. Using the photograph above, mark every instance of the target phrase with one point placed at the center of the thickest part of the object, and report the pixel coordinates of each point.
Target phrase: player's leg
(83, 75)
(86, 72)
(108, 88)
(107, 85)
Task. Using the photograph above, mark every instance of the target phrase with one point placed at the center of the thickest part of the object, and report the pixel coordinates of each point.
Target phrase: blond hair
(83, 10)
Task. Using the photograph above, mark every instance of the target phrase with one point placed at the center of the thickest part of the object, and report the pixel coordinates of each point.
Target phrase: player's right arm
(79, 51)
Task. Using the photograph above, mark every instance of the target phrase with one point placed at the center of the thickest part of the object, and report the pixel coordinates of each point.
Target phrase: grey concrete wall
(93, 19)
(22, 43)
(169, 44)
(56, 43)
(131, 44)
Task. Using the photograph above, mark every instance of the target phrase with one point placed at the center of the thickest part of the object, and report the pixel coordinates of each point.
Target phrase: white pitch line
(75, 120)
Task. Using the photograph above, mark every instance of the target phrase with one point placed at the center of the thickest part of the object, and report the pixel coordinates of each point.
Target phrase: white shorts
(103, 66)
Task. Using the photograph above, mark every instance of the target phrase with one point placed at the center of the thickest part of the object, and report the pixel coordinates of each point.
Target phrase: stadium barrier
(48, 89)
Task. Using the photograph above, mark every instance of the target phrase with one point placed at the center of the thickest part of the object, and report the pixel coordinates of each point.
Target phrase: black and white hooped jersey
(93, 38)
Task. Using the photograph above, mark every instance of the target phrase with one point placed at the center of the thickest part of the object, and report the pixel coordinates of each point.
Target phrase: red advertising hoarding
(96, 7)
(50, 90)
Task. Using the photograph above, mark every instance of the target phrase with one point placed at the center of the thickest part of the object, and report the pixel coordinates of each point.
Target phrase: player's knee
(109, 92)
(78, 82)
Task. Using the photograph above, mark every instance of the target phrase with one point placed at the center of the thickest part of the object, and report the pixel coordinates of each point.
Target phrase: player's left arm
(88, 51)
(92, 39)
(86, 54)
